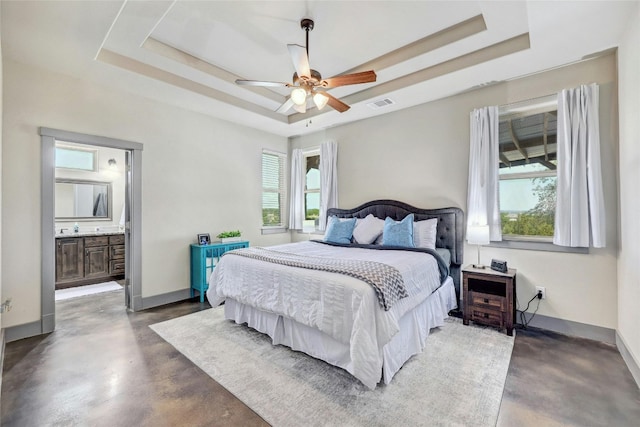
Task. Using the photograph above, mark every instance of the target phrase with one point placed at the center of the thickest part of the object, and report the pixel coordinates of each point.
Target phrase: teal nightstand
(203, 259)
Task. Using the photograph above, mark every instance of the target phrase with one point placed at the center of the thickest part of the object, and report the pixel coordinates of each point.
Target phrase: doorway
(131, 216)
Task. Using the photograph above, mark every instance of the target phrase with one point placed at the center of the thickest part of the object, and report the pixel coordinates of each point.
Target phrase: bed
(345, 319)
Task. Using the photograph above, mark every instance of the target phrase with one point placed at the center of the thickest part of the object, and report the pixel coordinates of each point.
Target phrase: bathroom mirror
(78, 200)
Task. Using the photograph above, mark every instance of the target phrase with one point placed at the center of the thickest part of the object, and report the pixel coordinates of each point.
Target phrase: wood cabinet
(84, 260)
(96, 256)
(116, 255)
(69, 259)
(488, 297)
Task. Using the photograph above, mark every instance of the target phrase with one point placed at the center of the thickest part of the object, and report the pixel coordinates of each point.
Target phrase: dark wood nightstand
(489, 297)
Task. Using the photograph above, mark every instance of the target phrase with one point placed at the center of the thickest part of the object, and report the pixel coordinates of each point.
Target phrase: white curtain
(483, 206)
(580, 201)
(328, 180)
(296, 200)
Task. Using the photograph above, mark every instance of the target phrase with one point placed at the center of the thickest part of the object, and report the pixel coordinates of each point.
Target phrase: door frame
(133, 228)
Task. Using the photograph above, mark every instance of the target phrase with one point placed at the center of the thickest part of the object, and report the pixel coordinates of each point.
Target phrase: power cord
(523, 319)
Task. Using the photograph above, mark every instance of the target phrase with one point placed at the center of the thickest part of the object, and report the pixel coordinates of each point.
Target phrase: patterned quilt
(385, 279)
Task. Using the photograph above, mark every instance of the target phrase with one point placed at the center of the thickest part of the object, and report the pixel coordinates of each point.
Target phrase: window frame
(305, 155)
(539, 243)
(71, 147)
(281, 191)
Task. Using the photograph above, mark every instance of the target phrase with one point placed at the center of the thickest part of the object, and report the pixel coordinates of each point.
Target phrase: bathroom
(89, 219)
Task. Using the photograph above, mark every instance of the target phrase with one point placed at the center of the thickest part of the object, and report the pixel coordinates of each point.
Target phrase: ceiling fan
(308, 83)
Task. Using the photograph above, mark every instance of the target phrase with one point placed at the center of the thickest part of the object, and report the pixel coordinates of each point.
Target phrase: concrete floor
(104, 367)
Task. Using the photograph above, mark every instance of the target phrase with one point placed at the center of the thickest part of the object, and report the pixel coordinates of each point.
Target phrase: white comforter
(343, 307)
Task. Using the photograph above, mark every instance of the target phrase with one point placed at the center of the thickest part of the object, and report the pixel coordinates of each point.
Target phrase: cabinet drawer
(96, 241)
(117, 252)
(116, 267)
(495, 302)
(117, 239)
(489, 317)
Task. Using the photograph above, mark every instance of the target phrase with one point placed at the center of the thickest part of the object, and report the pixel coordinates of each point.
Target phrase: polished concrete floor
(104, 367)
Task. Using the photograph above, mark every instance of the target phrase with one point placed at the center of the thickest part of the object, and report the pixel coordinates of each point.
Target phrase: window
(273, 189)
(528, 170)
(312, 186)
(70, 157)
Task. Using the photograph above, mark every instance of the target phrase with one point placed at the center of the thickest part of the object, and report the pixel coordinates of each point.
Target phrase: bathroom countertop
(70, 233)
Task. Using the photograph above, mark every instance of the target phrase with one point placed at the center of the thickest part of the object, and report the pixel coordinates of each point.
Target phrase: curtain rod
(531, 101)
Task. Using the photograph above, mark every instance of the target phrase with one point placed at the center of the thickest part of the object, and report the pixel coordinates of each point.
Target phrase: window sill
(315, 233)
(274, 230)
(536, 244)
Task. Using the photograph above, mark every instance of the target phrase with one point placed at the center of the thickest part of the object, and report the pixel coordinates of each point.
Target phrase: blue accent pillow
(339, 231)
(398, 233)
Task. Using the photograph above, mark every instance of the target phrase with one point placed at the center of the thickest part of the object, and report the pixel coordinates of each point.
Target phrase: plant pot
(230, 239)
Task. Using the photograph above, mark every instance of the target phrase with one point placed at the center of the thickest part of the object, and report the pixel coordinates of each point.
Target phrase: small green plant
(226, 234)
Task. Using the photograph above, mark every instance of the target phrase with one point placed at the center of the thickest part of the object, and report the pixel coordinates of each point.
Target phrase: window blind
(273, 188)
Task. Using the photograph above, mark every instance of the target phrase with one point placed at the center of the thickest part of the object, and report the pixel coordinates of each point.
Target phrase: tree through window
(528, 162)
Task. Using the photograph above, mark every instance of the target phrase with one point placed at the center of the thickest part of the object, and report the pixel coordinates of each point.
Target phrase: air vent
(380, 103)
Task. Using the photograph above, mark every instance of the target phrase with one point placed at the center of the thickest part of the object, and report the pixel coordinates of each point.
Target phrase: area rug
(457, 381)
(79, 291)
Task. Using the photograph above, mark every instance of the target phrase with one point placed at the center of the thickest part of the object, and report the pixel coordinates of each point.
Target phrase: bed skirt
(411, 339)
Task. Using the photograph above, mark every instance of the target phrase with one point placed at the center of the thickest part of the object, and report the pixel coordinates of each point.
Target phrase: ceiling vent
(380, 103)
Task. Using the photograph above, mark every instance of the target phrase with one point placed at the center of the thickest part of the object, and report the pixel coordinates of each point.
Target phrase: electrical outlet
(543, 290)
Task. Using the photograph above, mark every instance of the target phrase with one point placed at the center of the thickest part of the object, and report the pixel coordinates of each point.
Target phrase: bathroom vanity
(83, 259)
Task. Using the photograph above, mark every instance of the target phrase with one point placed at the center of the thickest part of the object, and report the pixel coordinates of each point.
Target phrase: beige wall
(420, 156)
(199, 174)
(629, 256)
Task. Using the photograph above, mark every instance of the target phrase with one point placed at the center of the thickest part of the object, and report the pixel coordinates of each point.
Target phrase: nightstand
(203, 260)
(489, 297)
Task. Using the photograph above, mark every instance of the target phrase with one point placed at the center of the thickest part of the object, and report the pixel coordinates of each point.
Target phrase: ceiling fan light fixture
(299, 96)
(300, 108)
(320, 100)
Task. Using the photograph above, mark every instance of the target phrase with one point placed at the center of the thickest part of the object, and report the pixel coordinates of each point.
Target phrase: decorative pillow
(339, 230)
(424, 233)
(398, 233)
(367, 229)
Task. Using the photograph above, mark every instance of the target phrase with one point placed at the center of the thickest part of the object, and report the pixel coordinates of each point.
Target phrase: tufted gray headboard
(450, 233)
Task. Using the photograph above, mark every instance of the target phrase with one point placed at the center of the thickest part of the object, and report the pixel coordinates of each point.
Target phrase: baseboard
(575, 329)
(628, 358)
(26, 330)
(163, 299)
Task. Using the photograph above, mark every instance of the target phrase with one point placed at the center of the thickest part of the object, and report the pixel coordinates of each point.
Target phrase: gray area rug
(457, 381)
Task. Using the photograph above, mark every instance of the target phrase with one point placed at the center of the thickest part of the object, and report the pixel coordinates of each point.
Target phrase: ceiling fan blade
(286, 106)
(260, 83)
(335, 103)
(349, 79)
(300, 60)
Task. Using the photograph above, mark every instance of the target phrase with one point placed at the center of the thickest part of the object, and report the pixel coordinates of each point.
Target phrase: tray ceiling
(189, 53)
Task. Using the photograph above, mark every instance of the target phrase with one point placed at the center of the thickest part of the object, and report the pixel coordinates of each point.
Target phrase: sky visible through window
(313, 181)
(517, 195)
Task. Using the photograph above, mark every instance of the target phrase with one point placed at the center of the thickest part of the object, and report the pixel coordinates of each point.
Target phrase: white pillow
(424, 233)
(368, 229)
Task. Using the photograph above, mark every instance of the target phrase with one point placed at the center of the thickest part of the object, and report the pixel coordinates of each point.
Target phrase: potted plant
(230, 236)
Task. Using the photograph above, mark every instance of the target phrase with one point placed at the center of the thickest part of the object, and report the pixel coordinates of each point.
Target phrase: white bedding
(338, 305)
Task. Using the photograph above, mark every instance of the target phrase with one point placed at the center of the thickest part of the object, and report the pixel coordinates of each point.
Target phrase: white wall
(199, 175)
(629, 255)
(420, 156)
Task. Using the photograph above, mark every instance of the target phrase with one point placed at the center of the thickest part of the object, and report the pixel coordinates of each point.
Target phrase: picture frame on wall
(204, 239)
